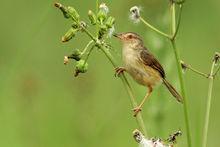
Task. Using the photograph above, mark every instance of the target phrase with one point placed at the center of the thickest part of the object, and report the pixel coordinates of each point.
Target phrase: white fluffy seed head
(135, 14)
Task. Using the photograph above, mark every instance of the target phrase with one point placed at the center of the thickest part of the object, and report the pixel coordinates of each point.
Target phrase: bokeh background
(43, 105)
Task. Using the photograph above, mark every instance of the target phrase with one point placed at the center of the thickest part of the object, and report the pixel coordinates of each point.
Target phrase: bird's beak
(119, 36)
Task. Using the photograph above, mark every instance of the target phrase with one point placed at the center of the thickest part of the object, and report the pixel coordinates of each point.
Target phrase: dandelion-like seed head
(135, 14)
(104, 7)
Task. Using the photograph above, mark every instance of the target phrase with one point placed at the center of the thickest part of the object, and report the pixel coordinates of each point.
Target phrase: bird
(142, 66)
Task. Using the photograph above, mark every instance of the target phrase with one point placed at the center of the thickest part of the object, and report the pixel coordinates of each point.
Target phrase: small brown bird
(142, 66)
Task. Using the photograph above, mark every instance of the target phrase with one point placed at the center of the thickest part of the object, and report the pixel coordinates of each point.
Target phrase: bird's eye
(130, 36)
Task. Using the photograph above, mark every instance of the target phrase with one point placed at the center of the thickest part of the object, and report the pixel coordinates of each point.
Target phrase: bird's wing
(149, 60)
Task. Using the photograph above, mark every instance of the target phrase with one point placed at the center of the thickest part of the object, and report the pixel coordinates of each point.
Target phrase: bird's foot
(136, 111)
(119, 70)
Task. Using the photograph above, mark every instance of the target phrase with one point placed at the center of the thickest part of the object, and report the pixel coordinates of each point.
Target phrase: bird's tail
(173, 91)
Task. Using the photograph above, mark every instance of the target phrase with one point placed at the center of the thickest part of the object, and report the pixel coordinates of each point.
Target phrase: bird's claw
(119, 70)
(136, 111)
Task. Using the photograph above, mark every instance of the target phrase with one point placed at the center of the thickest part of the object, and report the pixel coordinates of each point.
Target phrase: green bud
(75, 55)
(73, 13)
(63, 9)
(81, 67)
(92, 17)
(69, 34)
(110, 22)
(102, 14)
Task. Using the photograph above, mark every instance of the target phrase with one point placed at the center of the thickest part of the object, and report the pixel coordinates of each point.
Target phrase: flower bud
(73, 13)
(76, 55)
(63, 9)
(69, 34)
(81, 67)
(110, 22)
(92, 17)
(102, 14)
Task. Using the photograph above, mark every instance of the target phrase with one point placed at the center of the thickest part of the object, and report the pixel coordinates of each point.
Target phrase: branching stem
(172, 38)
(180, 74)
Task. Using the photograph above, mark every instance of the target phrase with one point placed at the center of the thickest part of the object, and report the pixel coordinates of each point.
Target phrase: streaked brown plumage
(142, 66)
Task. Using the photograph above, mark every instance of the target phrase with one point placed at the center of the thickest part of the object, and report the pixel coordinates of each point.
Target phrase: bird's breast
(141, 73)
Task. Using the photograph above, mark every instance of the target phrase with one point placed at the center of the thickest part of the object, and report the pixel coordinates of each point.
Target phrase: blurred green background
(43, 105)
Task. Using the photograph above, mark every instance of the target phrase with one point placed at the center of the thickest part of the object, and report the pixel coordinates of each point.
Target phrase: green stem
(198, 72)
(139, 118)
(87, 46)
(209, 99)
(182, 86)
(128, 88)
(180, 74)
(155, 29)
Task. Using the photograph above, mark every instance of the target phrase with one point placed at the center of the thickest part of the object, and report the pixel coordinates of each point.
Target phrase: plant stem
(155, 29)
(209, 99)
(128, 88)
(174, 31)
(182, 86)
(180, 74)
(198, 72)
(139, 118)
(87, 46)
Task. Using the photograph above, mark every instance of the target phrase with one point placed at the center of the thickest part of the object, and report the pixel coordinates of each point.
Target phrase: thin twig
(154, 29)
(198, 72)
(187, 66)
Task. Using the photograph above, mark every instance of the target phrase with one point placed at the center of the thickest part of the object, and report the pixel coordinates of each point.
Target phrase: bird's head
(129, 38)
